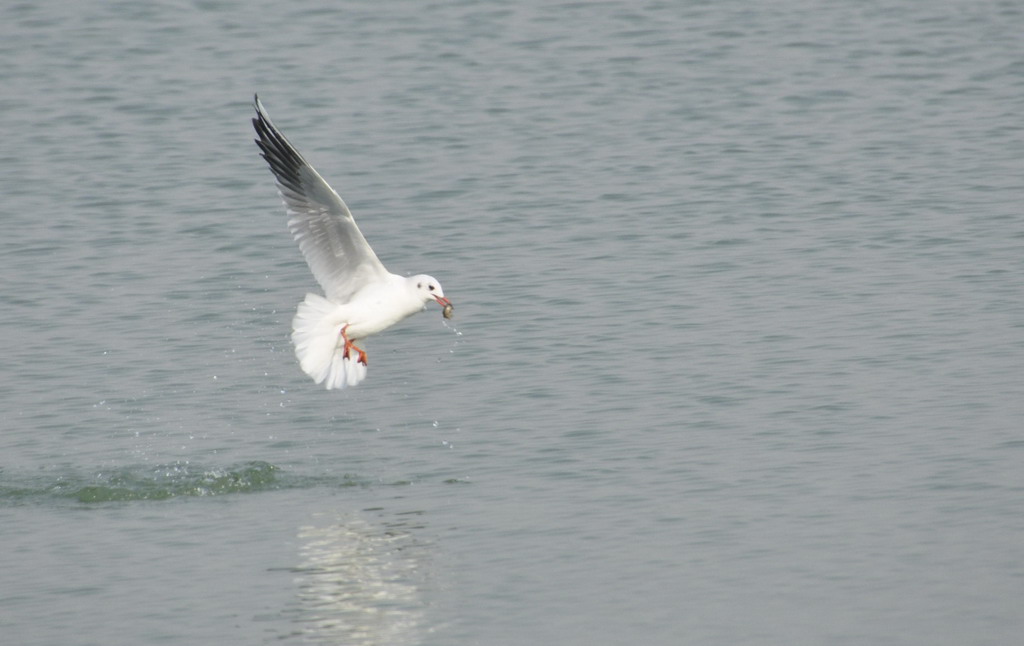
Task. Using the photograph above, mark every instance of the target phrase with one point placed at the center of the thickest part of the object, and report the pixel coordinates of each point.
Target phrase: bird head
(429, 289)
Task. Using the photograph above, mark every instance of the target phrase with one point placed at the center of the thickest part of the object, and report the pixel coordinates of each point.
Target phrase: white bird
(362, 296)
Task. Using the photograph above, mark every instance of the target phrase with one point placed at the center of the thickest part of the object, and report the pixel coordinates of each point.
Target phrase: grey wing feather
(336, 251)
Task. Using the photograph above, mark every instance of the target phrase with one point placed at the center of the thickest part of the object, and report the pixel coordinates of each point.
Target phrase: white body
(317, 326)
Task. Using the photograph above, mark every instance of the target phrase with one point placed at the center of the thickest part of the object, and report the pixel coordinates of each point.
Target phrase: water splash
(162, 482)
(175, 480)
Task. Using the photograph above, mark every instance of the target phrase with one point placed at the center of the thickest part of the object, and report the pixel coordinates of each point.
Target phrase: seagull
(361, 297)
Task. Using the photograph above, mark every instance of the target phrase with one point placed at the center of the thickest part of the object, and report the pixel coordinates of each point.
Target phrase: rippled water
(737, 349)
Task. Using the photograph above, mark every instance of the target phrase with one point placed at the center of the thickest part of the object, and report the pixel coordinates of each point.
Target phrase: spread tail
(319, 347)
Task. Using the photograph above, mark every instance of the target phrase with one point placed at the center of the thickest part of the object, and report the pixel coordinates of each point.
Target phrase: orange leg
(349, 345)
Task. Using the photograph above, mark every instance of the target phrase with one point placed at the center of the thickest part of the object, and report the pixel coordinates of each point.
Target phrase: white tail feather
(318, 345)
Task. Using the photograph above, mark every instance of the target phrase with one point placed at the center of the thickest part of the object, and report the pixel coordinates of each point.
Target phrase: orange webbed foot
(349, 346)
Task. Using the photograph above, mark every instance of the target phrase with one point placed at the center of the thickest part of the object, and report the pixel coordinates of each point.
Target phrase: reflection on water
(360, 582)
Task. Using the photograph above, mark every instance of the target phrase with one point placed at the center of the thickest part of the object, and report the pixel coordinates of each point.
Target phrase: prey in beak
(447, 307)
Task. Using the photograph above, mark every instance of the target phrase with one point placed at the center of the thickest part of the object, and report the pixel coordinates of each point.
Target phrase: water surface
(736, 356)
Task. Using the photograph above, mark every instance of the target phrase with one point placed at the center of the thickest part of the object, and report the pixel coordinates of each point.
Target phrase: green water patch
(161, 482)
(178, 480)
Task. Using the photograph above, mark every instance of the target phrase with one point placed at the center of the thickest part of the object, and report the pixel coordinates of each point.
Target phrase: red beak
(442, 300)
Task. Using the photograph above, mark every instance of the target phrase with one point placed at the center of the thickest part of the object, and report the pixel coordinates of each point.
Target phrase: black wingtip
(284, 160)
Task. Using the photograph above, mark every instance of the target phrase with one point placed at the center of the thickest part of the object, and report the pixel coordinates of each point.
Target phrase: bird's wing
(337, 253)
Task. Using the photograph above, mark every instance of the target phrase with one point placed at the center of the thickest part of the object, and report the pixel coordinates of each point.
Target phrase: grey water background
(737, 354)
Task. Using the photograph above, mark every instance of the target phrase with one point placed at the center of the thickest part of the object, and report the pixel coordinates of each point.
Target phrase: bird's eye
(431, 288)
